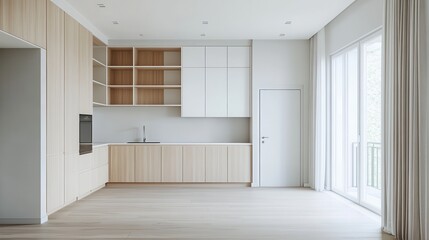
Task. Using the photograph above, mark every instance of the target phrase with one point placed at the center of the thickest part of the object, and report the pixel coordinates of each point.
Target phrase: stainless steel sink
(144, 142)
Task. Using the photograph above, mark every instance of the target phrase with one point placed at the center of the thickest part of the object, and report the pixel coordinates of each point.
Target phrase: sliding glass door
(356, 122)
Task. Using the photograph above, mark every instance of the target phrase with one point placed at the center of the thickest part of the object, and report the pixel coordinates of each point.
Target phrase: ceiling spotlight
(203, 35)
(205, 22)
(141, 35)
(282, 35)
(115, 22)
(288, 22)
(101, 5)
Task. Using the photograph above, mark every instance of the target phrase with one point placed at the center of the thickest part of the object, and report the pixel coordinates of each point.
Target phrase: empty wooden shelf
(120, 56)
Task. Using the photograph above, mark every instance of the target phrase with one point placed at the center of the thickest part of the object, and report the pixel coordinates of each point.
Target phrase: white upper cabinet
(216, 92)
(216, 57)
(193, 92)
(194, 57)
(238, 92)
(239, 57)
(216, 81)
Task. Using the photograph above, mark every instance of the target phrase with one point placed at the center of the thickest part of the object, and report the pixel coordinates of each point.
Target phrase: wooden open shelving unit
(99, 77)
(144, 76)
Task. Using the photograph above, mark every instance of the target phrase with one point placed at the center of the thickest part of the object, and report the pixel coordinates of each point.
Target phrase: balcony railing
(374, 165)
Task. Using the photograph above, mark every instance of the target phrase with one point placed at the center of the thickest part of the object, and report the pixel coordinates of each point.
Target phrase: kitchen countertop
(95, 145)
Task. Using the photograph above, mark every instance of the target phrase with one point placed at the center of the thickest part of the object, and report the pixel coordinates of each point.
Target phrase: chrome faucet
(144, 133)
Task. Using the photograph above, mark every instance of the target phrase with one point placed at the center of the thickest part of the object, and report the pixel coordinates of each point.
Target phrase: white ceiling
(228, 19)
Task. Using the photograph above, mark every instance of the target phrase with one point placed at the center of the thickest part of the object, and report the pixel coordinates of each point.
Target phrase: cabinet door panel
(239, 57)
(85, 70)
(85, 183)
(71, 85)
(193, 57)
(239, 164)
(238, 92)
(194, 164)
(25, 19)
(216, 57)
(171, 164)
(71, 181)
(148, 164)
(216, 164)
(121, 164)
(55, 81)
(216, 92)
(54, 182)
(193, 92)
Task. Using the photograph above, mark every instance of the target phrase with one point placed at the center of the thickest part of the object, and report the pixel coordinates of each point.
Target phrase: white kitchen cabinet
(193, 92)
(216, 57)
(216, 92)
(193, 57)
(238, 92)
(239, 57)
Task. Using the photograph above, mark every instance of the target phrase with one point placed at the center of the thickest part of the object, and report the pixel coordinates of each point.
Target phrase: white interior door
(280, 138)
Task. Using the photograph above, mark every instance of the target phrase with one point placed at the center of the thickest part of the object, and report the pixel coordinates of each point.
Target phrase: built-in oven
(85, 134)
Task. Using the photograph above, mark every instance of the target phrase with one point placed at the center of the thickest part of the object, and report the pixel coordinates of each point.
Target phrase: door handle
(265, 137)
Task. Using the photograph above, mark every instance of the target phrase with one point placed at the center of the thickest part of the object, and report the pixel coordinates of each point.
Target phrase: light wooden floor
(206, 213)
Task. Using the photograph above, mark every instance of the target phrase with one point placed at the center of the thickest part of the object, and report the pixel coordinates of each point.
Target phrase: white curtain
(318, 112)
(402, 215)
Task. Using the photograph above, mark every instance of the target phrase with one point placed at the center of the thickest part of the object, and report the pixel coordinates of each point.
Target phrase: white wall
(122, 124)
(280, 64)
(359, 19)
(22, 136)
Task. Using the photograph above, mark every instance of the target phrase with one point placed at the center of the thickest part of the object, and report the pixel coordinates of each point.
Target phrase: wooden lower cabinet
(122, 164)
(148, 164)
(194, 164)
(239, 164)
(216, 164)
(180, 164)
(171, 164)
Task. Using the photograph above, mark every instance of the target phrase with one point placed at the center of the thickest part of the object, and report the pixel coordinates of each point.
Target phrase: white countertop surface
(165, 143)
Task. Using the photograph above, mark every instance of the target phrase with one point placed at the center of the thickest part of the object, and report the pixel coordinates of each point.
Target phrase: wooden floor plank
(145, 212)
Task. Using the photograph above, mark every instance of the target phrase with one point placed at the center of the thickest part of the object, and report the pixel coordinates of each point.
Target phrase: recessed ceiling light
(141, 35)
(115, 22)
(205, 22)
(282, 35)
(101, 5)
(288, 22)
(203, 35)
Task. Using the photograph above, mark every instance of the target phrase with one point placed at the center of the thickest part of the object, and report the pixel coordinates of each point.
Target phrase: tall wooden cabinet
(69, 93)
(25, 19)
(71, 107)
(55, 107)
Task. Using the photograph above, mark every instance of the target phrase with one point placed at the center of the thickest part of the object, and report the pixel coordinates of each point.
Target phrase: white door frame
(302, 93)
